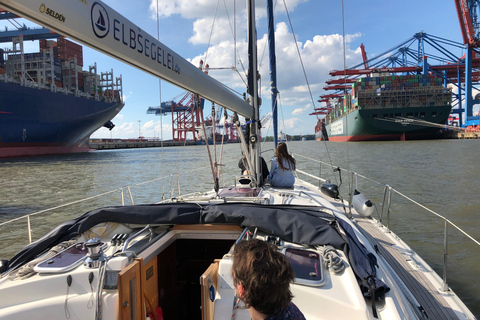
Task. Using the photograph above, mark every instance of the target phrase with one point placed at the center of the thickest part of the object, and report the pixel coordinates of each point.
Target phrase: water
(442, 175)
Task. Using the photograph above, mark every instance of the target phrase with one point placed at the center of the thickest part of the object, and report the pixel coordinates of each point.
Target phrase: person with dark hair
(261, 277)
(283, 164)
(242, 164)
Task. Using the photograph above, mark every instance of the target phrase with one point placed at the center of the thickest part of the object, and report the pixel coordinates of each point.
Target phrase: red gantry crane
(467, 11)
(186, 115)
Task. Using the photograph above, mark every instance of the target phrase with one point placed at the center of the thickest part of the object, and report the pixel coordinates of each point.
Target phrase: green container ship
(405, 107)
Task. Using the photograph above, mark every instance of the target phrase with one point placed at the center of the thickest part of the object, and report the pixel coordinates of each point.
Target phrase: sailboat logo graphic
(100, 20)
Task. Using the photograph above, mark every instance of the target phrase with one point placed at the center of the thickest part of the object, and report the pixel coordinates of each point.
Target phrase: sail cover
(298, 224)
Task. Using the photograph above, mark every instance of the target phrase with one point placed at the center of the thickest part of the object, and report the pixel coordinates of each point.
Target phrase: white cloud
(291, 123)
(126, 96)
(299, 111)
(296, 126)
(194, 9)
(149, 125)
(203, 32)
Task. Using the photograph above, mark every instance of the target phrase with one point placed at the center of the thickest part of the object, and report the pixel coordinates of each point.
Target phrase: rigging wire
(180, 162)
(208, 149)
(211, 31)
(235, 50)
(161, 117)
(345, 83)
(281, 111)
(299, 55)
(306, 79)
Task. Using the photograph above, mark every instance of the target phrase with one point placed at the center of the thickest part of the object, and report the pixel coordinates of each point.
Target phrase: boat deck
(429, 296)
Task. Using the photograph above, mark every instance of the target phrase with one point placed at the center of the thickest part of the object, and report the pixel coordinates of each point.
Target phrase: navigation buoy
(362, 204)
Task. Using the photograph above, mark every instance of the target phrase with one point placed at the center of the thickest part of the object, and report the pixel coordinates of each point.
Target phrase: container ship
(48, 104)
(379, 108)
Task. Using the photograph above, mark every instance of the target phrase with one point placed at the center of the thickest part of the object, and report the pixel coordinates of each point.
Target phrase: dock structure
(461, 135)
(107, 145)
(467, 135)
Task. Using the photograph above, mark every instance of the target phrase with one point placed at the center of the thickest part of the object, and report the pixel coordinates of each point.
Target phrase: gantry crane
(467, 11)
(186, 115)
(28, 33)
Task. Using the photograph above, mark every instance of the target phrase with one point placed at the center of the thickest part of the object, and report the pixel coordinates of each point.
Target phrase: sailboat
(173, 259)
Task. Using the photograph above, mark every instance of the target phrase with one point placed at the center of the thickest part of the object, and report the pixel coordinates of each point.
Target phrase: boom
(98, 26)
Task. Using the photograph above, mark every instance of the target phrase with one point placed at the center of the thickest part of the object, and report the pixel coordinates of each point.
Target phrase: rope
(208, 149)
(101, 276)
(225, 117)
(331, 260)
(214, 141)
(26, 271)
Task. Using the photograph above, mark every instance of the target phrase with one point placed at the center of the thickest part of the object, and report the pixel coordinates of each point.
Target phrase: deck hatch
(307, 265)
(64, 260)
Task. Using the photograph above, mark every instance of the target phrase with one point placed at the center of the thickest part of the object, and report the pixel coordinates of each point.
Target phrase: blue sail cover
(364, 265)
(273, 70)
(299, 224)
(252, 55)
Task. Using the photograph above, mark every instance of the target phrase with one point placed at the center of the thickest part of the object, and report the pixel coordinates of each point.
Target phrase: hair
(282, 153)
(265, 275)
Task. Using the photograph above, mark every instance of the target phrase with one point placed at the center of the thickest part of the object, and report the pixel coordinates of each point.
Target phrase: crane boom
(98, 26)
(468, 24)
(364, 56)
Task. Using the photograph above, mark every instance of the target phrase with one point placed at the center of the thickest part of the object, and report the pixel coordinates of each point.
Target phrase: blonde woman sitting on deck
(283, 164)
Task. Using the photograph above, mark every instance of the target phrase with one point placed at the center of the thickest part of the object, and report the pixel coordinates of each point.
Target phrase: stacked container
(2, 62)
(68, 50)
(404, 91)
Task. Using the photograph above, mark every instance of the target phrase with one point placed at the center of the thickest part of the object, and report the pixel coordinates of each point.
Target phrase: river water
(443, 175)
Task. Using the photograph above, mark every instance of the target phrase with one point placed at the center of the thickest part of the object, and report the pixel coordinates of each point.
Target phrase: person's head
(282, 153)
(281, 149)
(262, 276)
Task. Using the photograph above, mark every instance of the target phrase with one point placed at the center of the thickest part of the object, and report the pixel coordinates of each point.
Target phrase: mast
(273, 69)
(252, 89)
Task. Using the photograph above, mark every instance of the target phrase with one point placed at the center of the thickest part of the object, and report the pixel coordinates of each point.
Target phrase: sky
(186, 27)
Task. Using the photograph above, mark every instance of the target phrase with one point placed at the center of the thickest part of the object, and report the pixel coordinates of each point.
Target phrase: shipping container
(68, 50)
(45, 44)
(2, 59)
